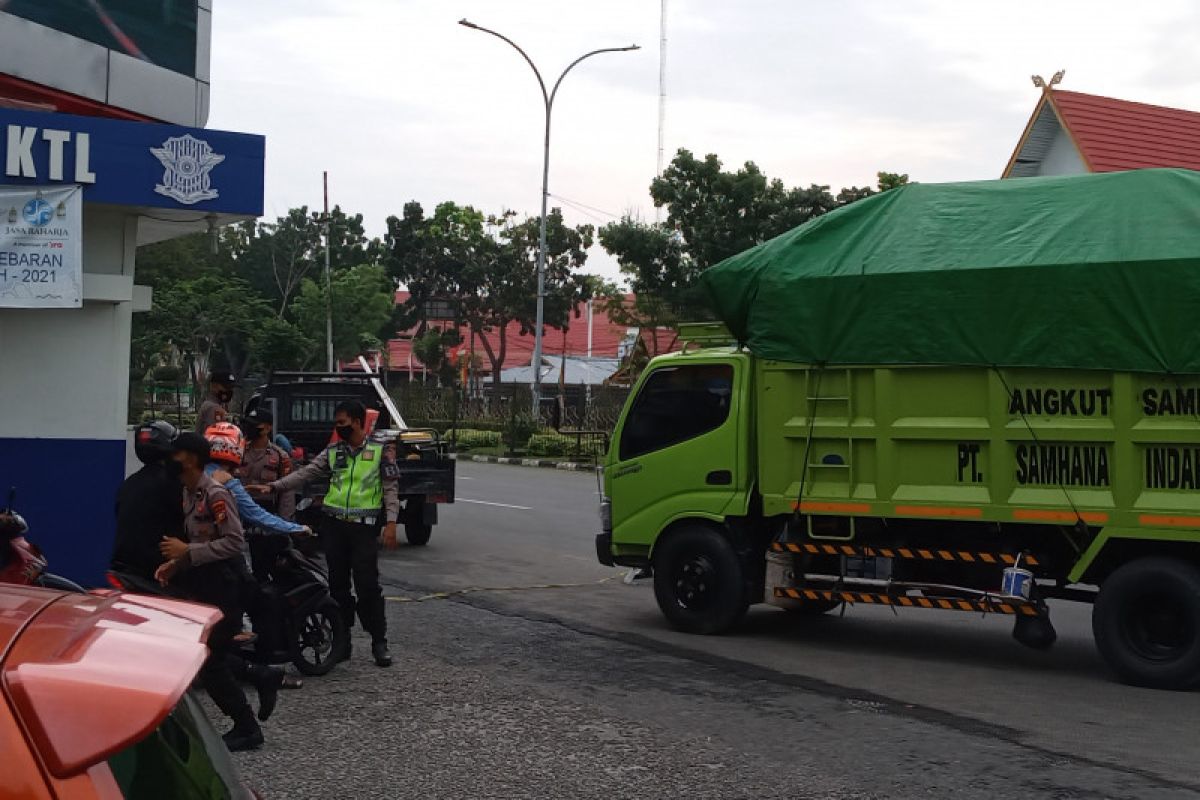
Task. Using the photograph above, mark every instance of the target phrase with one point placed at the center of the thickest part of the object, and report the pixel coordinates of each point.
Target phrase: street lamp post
(548, 100)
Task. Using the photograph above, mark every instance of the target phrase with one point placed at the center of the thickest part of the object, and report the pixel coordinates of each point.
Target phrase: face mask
(224, 395)
(174, 468)
(344, 432)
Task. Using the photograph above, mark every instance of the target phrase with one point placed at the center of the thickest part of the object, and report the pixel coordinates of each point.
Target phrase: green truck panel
(1008, 445)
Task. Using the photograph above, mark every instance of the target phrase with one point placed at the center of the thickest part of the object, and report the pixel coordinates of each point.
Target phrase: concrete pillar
(64, 386)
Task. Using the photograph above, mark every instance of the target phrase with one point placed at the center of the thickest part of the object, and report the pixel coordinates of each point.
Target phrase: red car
(94, 699)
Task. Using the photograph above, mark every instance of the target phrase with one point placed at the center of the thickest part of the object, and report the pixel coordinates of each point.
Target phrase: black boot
(246, 735)
(379, 650)
(267, 681)
(345, 654)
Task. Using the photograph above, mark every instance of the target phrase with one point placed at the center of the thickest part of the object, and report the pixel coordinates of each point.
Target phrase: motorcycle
(295, 618)
(21, 561)
(298, 620)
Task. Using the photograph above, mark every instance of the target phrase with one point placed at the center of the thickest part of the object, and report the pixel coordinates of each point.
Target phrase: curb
(565, 466)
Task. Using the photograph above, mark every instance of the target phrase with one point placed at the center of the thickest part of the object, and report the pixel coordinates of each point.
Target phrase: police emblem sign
(187, 161)
(41, 263)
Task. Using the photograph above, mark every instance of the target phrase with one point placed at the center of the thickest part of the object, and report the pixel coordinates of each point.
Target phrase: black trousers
(352, 551)
(264, 549)
(221, 585)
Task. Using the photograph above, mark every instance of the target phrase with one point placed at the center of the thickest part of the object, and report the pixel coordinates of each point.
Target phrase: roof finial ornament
(1056, 79)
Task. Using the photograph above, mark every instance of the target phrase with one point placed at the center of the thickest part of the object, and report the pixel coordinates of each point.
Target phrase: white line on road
(486, 503)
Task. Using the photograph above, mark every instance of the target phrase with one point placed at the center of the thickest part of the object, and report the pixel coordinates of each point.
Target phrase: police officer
(216, 406)
(264, 462)
(208, 567)
(148, 502)
(360, 487)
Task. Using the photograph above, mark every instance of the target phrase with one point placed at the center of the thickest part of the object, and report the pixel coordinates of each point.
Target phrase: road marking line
(486, 503)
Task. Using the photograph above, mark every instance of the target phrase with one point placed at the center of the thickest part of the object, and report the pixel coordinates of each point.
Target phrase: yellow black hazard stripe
(987, 605)
(917, 553)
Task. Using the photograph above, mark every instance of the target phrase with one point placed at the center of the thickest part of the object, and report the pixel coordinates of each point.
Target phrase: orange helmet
(226, 443)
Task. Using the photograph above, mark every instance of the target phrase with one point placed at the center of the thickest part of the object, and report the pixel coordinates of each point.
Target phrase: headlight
(606, 515)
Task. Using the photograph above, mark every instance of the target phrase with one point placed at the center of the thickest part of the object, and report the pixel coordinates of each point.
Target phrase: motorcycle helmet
(154, 441)
(226, 443)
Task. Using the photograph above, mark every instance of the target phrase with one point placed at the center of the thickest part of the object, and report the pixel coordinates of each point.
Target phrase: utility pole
(328, 284)
(662, 96)
(548, 101)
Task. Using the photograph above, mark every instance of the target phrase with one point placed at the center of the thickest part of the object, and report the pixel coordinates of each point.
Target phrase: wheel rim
(316, 638)
(1158, 628)
(695, 582)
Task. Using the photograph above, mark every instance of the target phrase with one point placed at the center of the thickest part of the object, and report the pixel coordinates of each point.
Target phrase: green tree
(712, 214)
(203, 316)
(485, 270)
(432, 349)
(277, 257)
(279, 344)
(660, 274)
(720, 213)
(363, 297)
(891, 180)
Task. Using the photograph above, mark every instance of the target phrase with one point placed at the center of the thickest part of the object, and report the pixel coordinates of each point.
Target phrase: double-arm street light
(548, 100)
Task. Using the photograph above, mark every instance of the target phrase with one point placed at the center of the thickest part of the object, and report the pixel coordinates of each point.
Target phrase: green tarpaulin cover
(1088, 271)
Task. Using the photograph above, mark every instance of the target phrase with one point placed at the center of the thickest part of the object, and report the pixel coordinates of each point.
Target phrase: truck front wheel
(1147, 623)
(699, 582)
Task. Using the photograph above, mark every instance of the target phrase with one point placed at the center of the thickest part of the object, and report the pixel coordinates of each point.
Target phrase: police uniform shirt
(208, 413)
(265, 465)
(211, 524)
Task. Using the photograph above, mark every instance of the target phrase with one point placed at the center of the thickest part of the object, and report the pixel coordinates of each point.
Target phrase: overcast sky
(399, 102)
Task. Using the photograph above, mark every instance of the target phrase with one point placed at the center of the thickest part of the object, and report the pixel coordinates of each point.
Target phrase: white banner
(41, 247)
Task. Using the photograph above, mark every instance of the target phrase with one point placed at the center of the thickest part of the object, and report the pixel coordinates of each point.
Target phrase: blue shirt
(251, 513)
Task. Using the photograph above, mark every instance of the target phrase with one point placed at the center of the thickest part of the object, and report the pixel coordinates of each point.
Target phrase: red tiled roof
(606, 340)
(1114, 135)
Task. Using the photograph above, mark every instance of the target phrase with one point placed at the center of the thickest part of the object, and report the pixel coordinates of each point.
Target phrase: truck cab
(680, 450)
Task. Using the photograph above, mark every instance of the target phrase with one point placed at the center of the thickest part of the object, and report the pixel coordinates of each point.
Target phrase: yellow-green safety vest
(355, 487)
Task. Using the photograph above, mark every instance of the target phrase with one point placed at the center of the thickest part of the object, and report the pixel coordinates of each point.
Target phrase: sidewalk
(547, 463)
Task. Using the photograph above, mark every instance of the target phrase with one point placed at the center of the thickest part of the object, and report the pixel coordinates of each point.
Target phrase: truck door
(678, 451)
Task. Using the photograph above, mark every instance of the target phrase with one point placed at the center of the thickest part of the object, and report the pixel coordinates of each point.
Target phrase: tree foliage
(363, 297)
(712, 214)
(482, 271)
(253, 303)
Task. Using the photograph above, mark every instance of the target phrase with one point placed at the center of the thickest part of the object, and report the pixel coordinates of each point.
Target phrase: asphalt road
(922, 704)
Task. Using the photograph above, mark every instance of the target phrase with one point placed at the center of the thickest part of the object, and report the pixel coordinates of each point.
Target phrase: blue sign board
(134, 163)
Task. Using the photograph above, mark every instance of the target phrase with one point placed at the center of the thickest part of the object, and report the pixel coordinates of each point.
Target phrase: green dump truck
(968, 397)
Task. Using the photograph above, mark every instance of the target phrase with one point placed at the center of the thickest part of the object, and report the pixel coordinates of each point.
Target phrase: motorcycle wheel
(321, 637)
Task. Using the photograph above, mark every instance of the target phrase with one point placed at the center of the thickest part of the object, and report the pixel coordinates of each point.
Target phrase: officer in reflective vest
(362, 496)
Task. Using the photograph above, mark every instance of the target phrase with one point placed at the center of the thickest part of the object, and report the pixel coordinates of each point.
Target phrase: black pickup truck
(303, 403)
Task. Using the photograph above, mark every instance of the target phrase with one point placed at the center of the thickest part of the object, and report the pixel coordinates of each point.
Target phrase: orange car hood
(89, 675)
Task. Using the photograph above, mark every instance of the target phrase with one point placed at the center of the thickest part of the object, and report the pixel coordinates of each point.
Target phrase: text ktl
(18, 162)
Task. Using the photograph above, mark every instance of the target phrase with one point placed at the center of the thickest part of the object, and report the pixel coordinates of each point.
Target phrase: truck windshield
(676, 404)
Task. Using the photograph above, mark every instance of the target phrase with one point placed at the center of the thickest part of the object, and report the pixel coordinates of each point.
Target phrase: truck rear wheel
(417, 533)
(1147, 623)
(699, 581)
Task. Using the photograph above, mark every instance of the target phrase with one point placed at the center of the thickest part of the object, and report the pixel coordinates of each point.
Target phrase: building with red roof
(1072, 133)
(592, 333)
